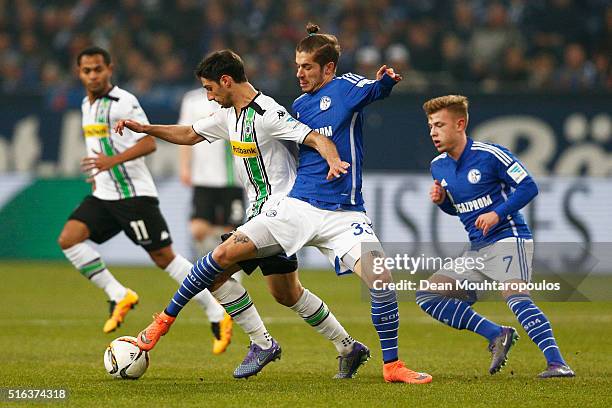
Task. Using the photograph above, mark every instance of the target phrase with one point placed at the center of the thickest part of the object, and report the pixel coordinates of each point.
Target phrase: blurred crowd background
(479, 45)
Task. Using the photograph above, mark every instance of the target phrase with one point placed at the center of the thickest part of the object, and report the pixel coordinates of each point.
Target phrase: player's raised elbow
(192, 138)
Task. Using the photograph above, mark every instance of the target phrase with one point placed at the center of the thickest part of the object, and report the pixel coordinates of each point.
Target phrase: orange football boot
(119, 310)
(159, 326)
(225, 334)
(397, 372)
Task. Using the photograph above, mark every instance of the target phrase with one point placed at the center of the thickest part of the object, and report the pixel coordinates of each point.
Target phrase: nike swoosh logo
(260, 361)
(505, 341)
(144, 339)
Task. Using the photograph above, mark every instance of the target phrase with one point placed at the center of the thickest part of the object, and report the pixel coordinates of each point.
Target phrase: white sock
(88, 261)
(178, 269)
(238, 276)
(316, 313)
(237, 303)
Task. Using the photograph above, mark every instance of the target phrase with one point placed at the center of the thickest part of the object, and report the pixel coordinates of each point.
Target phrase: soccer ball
(124, 359)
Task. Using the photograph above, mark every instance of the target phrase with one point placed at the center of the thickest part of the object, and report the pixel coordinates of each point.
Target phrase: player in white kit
(124, 197)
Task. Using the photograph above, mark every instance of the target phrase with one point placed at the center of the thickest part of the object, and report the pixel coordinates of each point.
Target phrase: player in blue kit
(485, 186)
(321, 211)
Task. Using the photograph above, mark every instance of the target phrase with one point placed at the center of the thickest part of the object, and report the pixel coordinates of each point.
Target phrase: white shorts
(293, 224)
(504, 260)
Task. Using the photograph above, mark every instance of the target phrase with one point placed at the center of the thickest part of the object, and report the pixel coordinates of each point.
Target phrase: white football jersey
(263, 138)
(212, 164)
(131, 178)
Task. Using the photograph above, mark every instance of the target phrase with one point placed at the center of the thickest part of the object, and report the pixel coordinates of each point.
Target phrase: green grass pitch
(51, 337)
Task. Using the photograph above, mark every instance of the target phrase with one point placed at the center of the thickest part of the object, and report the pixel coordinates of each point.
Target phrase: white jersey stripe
(353, 158)
(499, 157)
(442, 156)
(497, 149)
(509, 218)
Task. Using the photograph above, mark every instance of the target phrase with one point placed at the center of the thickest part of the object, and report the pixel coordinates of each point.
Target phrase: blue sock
(456, 313)
(385, 317)
(536, 325)
(202, 275)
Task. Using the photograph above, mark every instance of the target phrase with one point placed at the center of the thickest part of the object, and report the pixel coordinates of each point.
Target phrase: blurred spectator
(398, 58)
(454, 63)
(368, 61)
(489, 42)
(424, 51)
(554, 23)
(542, 73)
(514, 69)
(576, 73)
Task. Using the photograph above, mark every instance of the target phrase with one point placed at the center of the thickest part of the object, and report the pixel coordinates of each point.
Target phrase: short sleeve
(281, 125)
(212, 127)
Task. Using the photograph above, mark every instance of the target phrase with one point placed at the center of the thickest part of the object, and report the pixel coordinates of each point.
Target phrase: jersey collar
(324, 86)
(254, 105)
(106, 95)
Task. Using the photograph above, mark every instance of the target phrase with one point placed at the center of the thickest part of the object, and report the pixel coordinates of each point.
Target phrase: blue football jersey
(485, 178)
(336, 111)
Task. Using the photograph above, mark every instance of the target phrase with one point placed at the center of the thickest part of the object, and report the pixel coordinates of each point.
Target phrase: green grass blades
(51, 337)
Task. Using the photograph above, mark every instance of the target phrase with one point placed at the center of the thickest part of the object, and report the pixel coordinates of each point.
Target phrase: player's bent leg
(453, 306)
(74, 232)
(206, 269)
(90, 264)
(238, 304)
(539, 330)
(288, 290)
(178, 268)
(385, 315)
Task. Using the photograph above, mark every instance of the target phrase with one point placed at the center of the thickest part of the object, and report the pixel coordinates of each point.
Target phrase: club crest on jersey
(325, 103)
(474, 176)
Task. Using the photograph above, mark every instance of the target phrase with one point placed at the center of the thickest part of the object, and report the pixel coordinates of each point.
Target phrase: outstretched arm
(327, 149)
(177, 134)
(101, 162)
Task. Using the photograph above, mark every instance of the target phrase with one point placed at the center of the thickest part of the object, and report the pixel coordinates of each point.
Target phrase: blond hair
(457, 104)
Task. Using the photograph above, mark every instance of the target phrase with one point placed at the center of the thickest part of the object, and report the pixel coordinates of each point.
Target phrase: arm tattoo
(240, 238)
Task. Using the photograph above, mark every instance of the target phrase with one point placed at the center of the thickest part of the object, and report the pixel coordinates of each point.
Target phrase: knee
(66, 241)
(224, 256)
(221, 255)
(162, 257)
